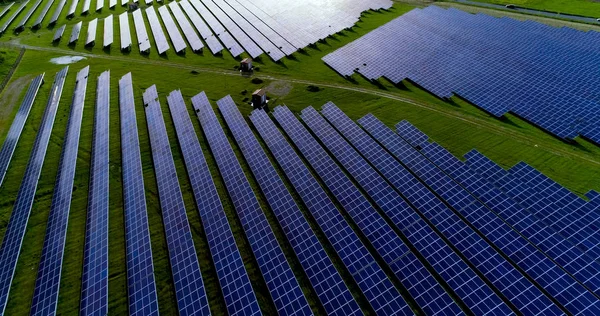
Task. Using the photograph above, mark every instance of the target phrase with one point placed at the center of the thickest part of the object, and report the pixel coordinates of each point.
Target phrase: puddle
(65, 60)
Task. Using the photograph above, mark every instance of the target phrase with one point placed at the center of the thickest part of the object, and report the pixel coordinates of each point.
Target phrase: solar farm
(341, 157)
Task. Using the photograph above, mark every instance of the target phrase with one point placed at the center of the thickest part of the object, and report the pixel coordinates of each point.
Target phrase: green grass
(589, 8)
(456, 125)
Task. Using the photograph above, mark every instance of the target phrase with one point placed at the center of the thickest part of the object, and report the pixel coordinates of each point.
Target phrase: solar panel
(75, 32)
(332, 292)
(140, 269)
(159, 36)
(5, 9)
(15, 230)
(124, 2)
(27, 16)
(45, 295)
(235, 284)
(40, 18)
(187, 278)
(373, 282)
(416, 230)
(186, 27)
(57, 11)
(85, 9)
(108, 31)
(140, 31)
(112, 3)
(124, 31)
(284, 288)
(228, 41)
(91, 32)
(94, 280)
(14, 133)
(148, 2)
(59, 33)
(99, 5)
(178, 43)
(572, 295)
(72, 8)
(211, 40)
(13, 17)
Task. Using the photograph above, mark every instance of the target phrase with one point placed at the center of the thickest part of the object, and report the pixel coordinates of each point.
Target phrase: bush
(312, 88)
(257, 81)
(194, 72)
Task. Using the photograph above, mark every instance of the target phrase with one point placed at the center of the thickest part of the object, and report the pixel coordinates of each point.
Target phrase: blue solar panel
(12, 138)
(275, 269)
(235, 284)
(371, 279)
(140, 269)
(448, 264)
(15, 231)
(571, 294)
(333, 293)
(187, 279)
(45, 296)
(94, 282)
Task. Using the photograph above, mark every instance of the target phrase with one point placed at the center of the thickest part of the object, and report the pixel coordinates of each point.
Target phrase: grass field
(456, 125)
(589, 8)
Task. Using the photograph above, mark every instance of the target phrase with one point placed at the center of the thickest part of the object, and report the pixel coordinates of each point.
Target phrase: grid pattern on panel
(108, 31)
(286, 292)
(28, 15)
(159, 36)
(91, 32)
(233, 278)
(369, 276)
(59, 32)
(228, 41)
(45, 295)
(72, 8)
(187, 278)
(280, 279)
(571, 294)
(16, 128)
(75, 32)
(15, 231)
(140, 269)
(13, 17)
(211, 40)
(57, 11)
(525, 222)
(125, 33)
(94, 280)
(140, 31)
(40, 18)
(432, 247)
(186, 27)
(178, 43)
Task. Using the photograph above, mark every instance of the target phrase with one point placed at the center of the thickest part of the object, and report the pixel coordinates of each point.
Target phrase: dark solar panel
(140, 269)
(235, 284)
(15, 230)
(571, 294)
(11, 18)
(371, 279)
(57, 11)
(187, 279)
(14, 133)
(94, 280)
(28, 15)
(40, 18)
(45, 295)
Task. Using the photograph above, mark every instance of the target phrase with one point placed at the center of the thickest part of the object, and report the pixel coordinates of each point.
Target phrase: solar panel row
(112, 3)
(75, 32)
(234, 48)
(108, 31)
(40, 18)
(159, 36)
(124, 32)
(59, 33)
(14, 133)
(90, 39)
(211, 40)
(140, 269)
(47, 283)
(185, 269)
(178, 43)
(186, 27)
(140, 31)
(15, 230)
(13, 17)
(94, 280)
(57, 11)
(27, 16)
(99, 5)
(85, 9)
(72, 8)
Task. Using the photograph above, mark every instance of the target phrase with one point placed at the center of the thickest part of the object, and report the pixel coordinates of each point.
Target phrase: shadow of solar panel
(94, 280)
(377, 288)
(15, 230)
(45, 295)
(5, 9)
(140, 269)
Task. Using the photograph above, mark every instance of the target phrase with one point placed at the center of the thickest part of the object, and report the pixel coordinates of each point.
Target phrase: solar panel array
(57, 11)
(211, 40)
(40, 18)
(159, 36)
(47, 283)
(499, 64)
(228, 41)
(108, 31)
(186, 27)
(140, 269)
(14, 133)
(13, 17)
(91, 32)
(15, 230)
(178, 43)
(72, 8)
(140, 31)
(59, 33)
(75, 32)
(27, 16)
(124, 32)
(185, 269)
(94, 280)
